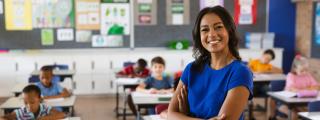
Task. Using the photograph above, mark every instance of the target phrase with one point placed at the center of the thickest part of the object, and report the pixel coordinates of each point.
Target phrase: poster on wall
(65, 34)
(52, 13)
(245, 12)
(47, 37)
(210, 3)
(317, 24)
(178, 12)
(83, 36)
(18, 14)
(115, 14)
(145, 13)
(87, 14)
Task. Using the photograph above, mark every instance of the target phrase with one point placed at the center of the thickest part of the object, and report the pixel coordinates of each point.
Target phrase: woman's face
(214, 35)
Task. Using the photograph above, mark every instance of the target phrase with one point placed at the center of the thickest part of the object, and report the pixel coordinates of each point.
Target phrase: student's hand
(153, 91)
(183, 100)
(221, 117)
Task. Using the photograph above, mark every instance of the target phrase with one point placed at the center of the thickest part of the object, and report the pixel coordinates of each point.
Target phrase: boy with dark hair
(33, 108)
(263, 65)
(137, 70)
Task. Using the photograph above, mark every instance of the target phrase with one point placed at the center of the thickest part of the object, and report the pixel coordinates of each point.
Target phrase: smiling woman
(217, 85)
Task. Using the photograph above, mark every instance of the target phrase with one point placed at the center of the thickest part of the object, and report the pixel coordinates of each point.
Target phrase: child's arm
(275, 70)
(65, 93)
(170, 90)
(142, 88)
(54, 114)
(11, 116)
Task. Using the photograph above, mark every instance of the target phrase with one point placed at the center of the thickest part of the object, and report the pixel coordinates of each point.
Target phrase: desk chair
(314, 106)
(61, 66)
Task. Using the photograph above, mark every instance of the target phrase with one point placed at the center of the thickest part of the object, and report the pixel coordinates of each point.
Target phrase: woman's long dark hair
(201, 55)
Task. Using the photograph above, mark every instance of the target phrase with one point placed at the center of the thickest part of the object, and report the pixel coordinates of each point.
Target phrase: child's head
(157, 66)
(32, 97)
(267, 56)
(46, 75)
(140, 65)
(300, 65)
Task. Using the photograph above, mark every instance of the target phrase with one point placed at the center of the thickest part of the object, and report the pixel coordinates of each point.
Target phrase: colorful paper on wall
(210, 3)
(178, 12)
(83, 36)
(245, 12)
(99, 41)
(53, 13)
(88, 14)
(18, 14)
(317, 24)
(47, 37)
(115, 13)
(145, 12)
(65, 34)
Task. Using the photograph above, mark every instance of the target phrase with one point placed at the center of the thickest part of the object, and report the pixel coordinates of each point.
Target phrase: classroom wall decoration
(115, 14)
(87, 14)
(52, 13)
(145, 12)
(65, 34)
(210, 3)
(245, 12)
(178, 12)
(83, 36)
(47, 37)
(18, 14)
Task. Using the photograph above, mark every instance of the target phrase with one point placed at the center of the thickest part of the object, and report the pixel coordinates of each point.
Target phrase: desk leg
(290, 113)
(117, 101)
(124, 104)
(250, 110)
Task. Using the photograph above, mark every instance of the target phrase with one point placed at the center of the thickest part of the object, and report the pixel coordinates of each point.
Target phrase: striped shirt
(24, 114)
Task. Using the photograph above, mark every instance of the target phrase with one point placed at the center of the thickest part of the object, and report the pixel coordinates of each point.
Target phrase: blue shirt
(54, 89)
(165, 83)
(208, 89)
(24, 114)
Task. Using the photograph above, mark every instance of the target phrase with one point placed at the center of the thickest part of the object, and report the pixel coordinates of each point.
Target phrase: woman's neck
(220, 60)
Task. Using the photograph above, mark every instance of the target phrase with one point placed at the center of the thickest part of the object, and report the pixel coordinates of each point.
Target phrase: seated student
(263, 65)
(297, 80)
(157, 83)
(48, 88)
(33, 108)
(137, 70)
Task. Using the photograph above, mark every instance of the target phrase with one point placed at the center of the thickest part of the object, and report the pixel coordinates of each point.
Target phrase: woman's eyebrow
(217, 23)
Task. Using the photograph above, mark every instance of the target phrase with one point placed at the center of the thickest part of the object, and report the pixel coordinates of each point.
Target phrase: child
(33, 108)
(157, 83)
(297, 80)
(48, 88)
(137, 70)
(263, 65)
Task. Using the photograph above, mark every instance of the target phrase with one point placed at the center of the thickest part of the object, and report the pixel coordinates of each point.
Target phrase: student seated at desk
(263, 66)
(136, 70)
(297, 80)
(49, 89)
(157, 83)
(33, 108)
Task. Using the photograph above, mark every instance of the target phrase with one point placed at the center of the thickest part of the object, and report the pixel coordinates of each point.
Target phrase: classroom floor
(101, 107)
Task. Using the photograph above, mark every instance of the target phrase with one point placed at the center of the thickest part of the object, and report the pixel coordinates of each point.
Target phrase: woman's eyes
(216, 28)
(205, 29)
